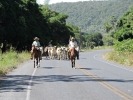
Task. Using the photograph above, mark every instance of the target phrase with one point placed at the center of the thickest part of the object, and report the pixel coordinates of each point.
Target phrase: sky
(57, 1)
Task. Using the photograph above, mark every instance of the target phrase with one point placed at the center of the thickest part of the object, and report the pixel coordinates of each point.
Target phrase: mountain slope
(91, 16)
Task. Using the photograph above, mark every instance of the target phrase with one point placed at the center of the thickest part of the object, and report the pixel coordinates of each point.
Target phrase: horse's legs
(34, 63)
(69, 55)
(46, 55)
(72, 63)
(38, 62)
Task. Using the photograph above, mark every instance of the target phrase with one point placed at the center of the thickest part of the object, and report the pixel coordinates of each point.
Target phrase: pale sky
(57, 1)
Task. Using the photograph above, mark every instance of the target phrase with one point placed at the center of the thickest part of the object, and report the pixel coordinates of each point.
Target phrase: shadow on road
(19, 83)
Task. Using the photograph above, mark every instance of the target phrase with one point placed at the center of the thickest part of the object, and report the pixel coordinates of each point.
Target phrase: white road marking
(111, 63)
(29, 86)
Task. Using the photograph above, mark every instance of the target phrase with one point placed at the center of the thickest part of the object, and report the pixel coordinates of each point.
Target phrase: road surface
(93, 79)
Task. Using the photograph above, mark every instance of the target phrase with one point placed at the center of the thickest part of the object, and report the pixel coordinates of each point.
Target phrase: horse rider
(35, 44)
(73, 43)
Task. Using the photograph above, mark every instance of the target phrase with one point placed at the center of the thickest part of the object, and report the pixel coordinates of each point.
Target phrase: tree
(107, 27)
(113, 22)
(124, 27)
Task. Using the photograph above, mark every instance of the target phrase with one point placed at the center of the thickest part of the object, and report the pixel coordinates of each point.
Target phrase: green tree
(107, 27)
(124, 28)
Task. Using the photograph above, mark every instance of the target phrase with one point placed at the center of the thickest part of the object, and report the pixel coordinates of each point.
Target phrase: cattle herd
(53, 52)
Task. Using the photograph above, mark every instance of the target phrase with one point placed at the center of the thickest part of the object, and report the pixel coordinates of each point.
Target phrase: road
(93, 79)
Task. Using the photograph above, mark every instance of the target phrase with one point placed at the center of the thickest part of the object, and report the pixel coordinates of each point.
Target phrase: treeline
(120, 32)
(123, 33)
(91, 16)
(22, 20)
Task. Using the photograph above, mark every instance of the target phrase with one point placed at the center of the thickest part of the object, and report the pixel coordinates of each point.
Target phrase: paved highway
(93, 79)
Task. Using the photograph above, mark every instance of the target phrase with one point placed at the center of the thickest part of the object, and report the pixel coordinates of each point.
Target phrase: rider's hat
(36, 38)
(72, 38)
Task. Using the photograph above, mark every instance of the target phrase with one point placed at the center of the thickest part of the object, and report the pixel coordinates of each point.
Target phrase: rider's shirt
(72, 44)
(36, 43)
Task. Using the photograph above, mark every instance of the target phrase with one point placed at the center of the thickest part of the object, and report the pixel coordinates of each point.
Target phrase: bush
(124, 46)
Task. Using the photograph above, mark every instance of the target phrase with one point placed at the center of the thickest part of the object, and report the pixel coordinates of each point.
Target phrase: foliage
(76, 31)
(94, 39)
(92, 15)
(22, 20)
(108, 40)
(123, 34)
(125, 27)
(124, 46)
(107, 27)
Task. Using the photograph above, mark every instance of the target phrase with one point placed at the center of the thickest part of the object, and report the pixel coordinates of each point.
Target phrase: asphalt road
(93, 79)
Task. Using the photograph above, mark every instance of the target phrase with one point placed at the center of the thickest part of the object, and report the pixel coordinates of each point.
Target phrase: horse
(77, 52)
(41, 49)
(36, 57)
(72, 56)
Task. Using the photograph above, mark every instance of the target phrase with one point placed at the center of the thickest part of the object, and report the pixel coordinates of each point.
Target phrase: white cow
(58, 51)
(53, 53)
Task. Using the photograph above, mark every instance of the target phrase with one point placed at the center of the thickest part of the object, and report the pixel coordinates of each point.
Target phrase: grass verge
(10, 60)
(123, 58)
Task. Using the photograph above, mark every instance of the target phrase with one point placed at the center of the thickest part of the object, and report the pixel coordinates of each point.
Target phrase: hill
(91, 16)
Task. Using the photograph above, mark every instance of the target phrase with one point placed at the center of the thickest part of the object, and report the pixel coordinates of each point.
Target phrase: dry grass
(121, 58)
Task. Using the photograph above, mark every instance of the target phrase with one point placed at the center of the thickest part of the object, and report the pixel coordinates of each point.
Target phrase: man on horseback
(73, 44)
(35, 44)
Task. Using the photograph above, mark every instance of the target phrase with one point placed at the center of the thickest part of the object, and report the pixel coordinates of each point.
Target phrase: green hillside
(91, 16)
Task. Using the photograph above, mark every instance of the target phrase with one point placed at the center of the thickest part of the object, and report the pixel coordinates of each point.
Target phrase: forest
(91, 16)
(22, 20)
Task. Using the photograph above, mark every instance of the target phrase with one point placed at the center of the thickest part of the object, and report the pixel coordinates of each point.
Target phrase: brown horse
(36, 57)
(72, 55)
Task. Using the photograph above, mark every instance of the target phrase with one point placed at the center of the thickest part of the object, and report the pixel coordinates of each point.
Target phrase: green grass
(10, 60)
